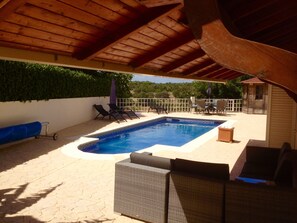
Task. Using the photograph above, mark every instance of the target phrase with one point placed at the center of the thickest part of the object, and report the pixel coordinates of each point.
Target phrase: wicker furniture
(253, 203)
(272, 201)
(156, 189)
(141, 187)
(196, 192)
(269, 164)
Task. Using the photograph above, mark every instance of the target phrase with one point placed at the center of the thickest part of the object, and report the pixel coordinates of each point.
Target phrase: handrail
(173, 104)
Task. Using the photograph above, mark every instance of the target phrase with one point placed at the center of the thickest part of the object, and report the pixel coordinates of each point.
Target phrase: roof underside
(144, 36)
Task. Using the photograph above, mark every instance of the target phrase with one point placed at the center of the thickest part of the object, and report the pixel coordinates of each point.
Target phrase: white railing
(234, 105)
(173, 104)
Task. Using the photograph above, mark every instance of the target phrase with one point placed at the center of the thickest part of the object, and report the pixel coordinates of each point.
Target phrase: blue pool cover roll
(18, 132)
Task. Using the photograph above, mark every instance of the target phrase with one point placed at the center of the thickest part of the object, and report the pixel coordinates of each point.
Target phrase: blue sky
(155, 79)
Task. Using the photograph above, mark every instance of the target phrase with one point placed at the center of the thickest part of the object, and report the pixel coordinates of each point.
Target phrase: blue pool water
(172, 132)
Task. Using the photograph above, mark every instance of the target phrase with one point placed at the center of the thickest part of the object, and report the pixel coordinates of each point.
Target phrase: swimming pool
(167, 131)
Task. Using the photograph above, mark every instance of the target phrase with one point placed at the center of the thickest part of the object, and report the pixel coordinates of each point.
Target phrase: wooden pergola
(210, 40)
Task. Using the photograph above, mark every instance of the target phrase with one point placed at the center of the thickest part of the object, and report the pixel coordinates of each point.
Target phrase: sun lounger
(130, 113)
(101, 111)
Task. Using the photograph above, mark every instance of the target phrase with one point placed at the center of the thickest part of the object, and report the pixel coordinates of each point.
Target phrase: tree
(231, 89)
(122, 81)
(198, 89)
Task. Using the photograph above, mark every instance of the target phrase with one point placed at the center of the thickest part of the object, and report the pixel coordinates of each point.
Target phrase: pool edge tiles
(134, 138)
(74, 150)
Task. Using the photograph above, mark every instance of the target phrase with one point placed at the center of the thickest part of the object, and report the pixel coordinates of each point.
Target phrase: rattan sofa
(253, 203)
(141, 187)
(156, 189)
(196, 192)
(273, 200)
(148, 187)
(268, 163)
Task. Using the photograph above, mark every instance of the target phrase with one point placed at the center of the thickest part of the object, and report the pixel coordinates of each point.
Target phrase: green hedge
(24, 82)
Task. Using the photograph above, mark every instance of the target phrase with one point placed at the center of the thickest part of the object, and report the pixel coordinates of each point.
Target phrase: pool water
(171, 132)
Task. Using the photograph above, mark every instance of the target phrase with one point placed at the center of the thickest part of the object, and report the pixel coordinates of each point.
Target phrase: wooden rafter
(231, 76)
(167, 46)
(184, 60)
(242, 10)
(125, 32)
(9, 6)
(3, 3)
(221, 75)
(156, 3)
(217, 72)
(272, 64)
(198, 67)
(270, 20)
(206, 71)
(227, 75)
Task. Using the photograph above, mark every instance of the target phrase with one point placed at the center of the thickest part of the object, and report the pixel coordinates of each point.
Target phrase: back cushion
(286, 147)
(153, 161)
(211, 170)
(284, 172)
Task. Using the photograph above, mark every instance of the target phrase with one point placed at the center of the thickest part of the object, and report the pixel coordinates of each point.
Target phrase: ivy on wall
(25, 82)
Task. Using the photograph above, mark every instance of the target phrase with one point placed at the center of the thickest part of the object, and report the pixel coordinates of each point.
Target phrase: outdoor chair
(200, 106)
(159, 108)
(129, 112)
(221, 106)
(101, 111)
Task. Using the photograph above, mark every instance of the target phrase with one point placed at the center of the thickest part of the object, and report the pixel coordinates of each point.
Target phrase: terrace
(41, 182)
(197, 40)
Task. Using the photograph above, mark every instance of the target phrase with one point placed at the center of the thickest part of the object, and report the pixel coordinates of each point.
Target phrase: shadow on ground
(11, 203)
(21, 152)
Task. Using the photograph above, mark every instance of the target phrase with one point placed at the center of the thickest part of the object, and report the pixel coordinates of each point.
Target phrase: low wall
(60, 113)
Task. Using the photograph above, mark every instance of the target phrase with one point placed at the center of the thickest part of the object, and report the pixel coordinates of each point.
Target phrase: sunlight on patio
(39, 183)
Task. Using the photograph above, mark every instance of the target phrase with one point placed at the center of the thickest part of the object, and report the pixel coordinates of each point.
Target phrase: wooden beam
(221, 75)
(206, 71)
(266, 62)
(246, 8)
(167, 46)
(125, 32)
(9, 6)
(30, 56)
(231, 76)
(217, 72)
(270, 20)
(184, 60)
(156, 3)
(198, 67)
(3, 3)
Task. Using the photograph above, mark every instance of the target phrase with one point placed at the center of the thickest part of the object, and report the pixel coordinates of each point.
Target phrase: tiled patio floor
(39, 183)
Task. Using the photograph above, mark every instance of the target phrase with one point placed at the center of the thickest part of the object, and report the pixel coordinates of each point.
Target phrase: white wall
(60, 113)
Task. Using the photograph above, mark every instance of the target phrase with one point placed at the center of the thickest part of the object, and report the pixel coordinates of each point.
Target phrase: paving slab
(41, 183)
